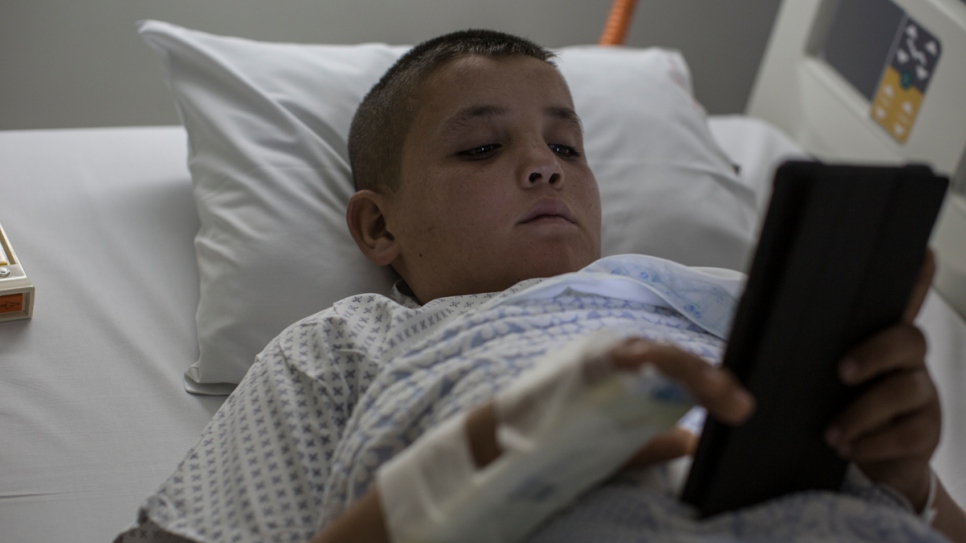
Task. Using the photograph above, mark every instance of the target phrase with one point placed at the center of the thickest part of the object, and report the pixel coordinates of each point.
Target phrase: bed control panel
(912, 61)
(16, 291)
(886, 55)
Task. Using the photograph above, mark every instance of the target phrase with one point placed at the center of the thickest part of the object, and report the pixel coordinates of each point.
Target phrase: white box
(16, 291)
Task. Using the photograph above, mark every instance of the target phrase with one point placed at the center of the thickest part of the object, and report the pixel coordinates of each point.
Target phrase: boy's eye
(482, 151)
(565, 151)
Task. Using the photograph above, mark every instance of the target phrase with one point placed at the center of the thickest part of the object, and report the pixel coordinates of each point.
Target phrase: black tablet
(838, 255)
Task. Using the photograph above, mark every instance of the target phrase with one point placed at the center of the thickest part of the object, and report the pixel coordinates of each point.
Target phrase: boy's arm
(892, 430)
(365, 521)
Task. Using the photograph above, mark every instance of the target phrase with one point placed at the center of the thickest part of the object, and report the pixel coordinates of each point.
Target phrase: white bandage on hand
(564, 426)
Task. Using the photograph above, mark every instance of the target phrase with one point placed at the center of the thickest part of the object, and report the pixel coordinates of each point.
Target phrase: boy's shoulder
(353, 313)
(367, 324)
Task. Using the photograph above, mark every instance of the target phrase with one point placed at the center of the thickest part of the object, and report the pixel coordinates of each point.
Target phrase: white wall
(80, 63)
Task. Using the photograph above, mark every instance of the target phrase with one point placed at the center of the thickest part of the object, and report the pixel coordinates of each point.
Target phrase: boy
(472, 185)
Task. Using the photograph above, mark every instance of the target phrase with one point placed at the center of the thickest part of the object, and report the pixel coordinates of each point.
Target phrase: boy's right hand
(717, 389)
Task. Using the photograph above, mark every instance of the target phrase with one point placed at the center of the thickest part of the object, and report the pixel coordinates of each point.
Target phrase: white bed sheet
(93, 415)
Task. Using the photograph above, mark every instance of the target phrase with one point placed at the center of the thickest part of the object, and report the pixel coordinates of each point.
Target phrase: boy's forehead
(482, 72)
(470, 116)
(475, 87)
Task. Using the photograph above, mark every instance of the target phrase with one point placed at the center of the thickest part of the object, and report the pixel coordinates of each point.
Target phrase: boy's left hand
(893, 428)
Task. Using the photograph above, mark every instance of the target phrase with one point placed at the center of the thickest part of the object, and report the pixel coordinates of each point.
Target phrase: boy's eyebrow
(464, 118)
(565, 114)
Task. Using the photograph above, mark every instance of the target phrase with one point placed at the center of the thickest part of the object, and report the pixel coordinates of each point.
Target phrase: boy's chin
(553, 263)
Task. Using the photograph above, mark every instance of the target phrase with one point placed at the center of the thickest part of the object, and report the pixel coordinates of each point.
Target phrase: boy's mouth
(548, 208)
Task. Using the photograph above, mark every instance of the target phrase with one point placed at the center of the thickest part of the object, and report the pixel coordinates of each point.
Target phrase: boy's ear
(365, 216)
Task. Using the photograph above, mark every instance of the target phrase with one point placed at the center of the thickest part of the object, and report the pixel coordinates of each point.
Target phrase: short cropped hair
(382, 121)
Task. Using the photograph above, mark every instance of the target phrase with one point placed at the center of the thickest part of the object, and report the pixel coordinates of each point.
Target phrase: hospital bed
(147, 284)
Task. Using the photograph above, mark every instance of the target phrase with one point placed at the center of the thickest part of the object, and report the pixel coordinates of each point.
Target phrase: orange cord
(615, 29)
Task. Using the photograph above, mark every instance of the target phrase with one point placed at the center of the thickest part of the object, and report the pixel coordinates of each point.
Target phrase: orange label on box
(11, 303)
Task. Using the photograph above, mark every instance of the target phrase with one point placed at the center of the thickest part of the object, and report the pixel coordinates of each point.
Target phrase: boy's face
(494, 186)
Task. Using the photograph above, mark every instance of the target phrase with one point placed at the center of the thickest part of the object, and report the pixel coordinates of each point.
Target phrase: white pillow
(267, 126)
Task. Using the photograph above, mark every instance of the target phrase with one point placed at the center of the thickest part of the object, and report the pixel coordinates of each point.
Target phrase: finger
(909, 437)
(898, 395)
(715, 388)
(900, 347)
(921, 287)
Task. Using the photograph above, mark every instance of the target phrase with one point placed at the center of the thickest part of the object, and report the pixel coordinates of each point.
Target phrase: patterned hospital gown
(339, 393)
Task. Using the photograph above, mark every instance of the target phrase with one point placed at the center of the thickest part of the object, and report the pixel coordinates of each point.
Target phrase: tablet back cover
(839, 252)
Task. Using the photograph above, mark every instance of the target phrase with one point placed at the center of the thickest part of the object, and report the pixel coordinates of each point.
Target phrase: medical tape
(563, 427)
(420, 488)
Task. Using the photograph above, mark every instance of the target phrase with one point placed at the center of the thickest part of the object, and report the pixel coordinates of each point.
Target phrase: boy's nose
(542, 167)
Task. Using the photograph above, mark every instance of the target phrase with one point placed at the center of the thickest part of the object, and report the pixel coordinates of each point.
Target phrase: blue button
(905, 79)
